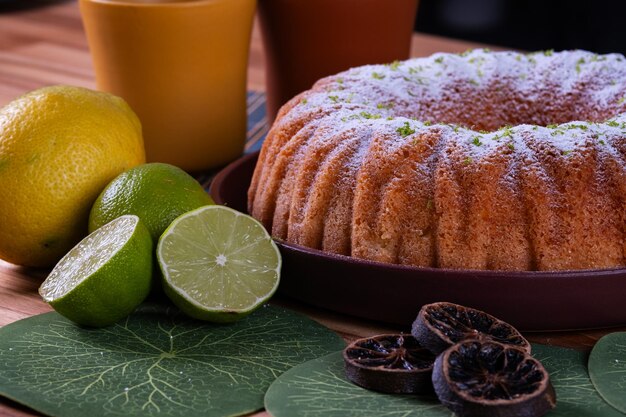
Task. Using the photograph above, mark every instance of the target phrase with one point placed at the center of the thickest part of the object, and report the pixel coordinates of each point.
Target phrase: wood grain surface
(46, 45)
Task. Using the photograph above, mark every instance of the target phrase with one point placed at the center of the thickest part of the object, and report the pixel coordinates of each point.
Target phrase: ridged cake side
(482, 160)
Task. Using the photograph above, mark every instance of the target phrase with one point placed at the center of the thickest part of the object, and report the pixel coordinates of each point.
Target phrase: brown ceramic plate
(394, 293)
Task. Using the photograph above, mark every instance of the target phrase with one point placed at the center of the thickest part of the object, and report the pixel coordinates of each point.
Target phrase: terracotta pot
(306, 40)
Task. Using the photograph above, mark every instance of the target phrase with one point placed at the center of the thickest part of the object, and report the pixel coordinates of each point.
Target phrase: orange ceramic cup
(181, 65)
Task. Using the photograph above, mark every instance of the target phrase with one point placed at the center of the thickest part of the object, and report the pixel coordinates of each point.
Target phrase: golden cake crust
(484, 160)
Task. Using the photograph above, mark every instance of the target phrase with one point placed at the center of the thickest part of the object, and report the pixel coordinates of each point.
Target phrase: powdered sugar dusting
(514, 116)
(479, 94)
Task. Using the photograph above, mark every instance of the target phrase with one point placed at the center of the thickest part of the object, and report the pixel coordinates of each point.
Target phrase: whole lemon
(156, 192)
(59, 147)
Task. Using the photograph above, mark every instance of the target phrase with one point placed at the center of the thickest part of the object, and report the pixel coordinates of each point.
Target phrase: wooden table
(46, 45)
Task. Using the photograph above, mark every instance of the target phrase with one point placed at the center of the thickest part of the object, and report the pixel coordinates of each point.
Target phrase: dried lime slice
(105, 276)
(218, 264)
(391, 363)
(440, 325)
(484, 378)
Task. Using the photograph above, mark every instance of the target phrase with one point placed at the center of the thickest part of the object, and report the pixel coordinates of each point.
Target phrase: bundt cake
(482, 160)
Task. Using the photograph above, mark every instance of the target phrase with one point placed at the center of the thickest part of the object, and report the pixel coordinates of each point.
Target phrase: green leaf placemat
(607, 369)
(575, 394)
(157, 362)
(318, 388)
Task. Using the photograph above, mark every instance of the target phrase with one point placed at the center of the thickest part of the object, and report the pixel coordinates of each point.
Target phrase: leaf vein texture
(157, 362)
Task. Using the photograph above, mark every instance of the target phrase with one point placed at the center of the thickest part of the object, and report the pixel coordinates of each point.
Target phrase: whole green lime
(156, 192)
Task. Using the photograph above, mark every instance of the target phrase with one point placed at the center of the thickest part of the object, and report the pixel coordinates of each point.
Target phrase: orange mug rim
(168, 4)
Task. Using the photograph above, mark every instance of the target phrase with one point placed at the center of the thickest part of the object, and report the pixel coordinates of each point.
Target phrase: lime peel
(218, 264)
(156, 192)
(105, 276)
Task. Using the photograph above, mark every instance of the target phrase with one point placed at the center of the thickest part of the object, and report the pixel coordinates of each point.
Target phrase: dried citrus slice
(391, 363)
(218, 264)
(478, 378)
(440, 325)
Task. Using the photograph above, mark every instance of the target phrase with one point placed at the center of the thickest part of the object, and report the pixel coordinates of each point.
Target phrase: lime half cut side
(105, 276)
(218, 264)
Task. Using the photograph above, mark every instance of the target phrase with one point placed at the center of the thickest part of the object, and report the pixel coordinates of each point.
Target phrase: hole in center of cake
(490, 122)
(497, 107)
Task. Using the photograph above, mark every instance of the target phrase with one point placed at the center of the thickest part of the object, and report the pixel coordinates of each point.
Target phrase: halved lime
(218, 264)
(105, 276)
